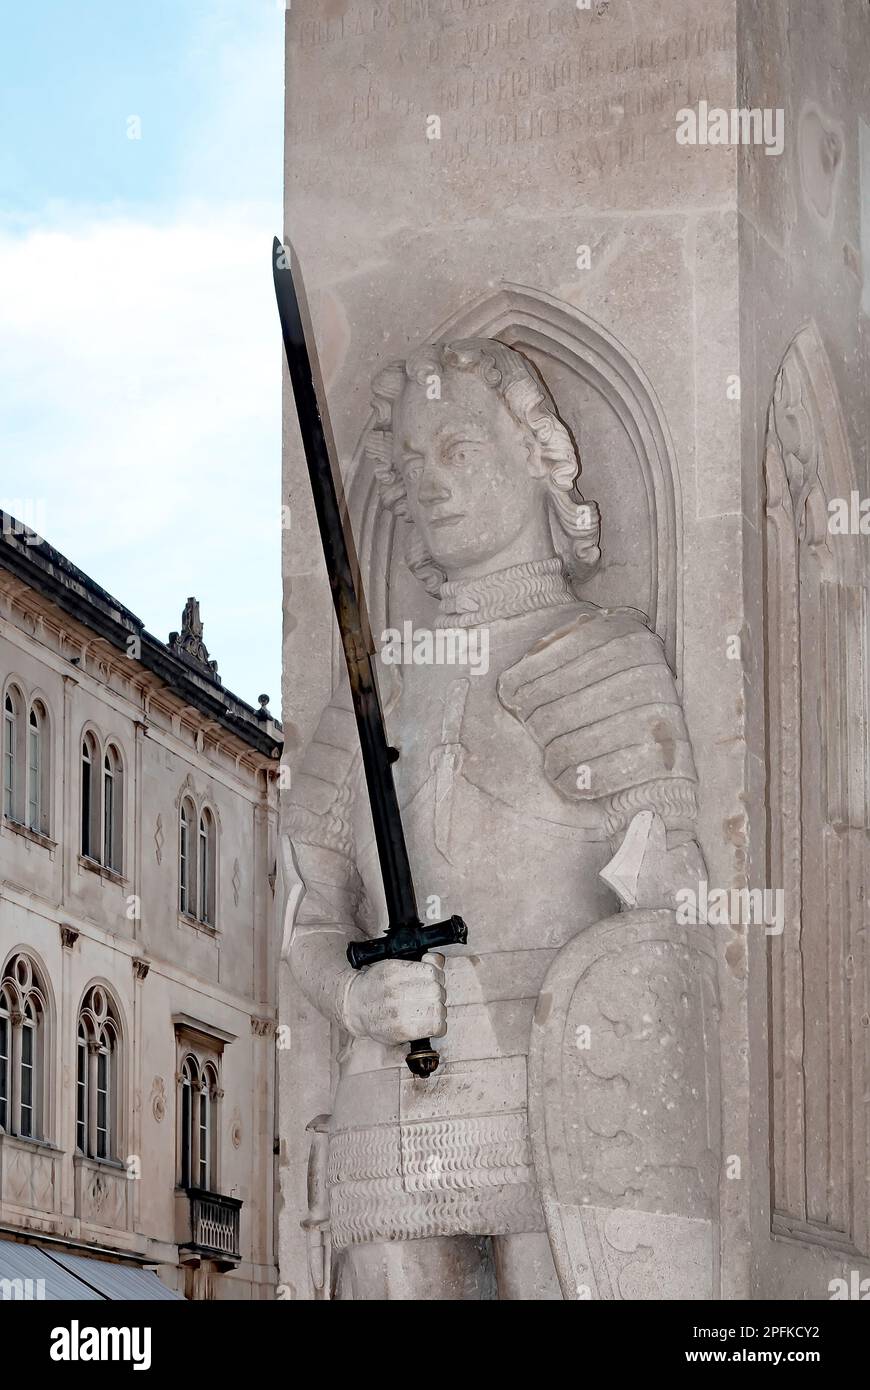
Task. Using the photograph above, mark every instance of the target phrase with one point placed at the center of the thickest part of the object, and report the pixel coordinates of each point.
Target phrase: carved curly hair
(574, 522)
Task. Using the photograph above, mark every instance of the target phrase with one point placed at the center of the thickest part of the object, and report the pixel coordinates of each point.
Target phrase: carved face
(472, 473)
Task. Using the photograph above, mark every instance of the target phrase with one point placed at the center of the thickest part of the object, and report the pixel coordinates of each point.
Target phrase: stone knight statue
(562, 1149)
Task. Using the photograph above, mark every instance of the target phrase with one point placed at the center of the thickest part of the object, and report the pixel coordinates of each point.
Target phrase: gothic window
(90, 798)
(22, 1049)
(199, 1100)
(26, 761)
(102, 805)
(207, 1127)
(197, 862)
(38, 785)
(185, 864)
(13, 770)
(206, 868)
(5, 1055)
(113, 810)
(189, 1088)
(82, 1089)
(98, 1107)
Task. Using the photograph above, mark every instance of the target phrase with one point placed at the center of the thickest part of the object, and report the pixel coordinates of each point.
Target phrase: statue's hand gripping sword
(406, 937)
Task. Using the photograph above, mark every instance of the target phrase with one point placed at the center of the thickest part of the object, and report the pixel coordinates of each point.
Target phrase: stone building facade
(137, 970)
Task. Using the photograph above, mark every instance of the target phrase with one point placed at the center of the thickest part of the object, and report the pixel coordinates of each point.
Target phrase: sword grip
(411, 942)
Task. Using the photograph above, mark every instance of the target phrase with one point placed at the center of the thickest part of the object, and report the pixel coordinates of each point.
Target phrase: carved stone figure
(565, 1147)
(188, 643)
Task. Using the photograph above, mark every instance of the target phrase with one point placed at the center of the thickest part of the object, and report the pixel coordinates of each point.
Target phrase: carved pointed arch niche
(626, 451)
(816, 711)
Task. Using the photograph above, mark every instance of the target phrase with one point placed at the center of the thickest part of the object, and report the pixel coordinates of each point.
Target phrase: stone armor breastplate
(492, 840)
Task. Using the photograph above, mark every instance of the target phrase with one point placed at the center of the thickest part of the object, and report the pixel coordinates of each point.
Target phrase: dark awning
(32, 1272)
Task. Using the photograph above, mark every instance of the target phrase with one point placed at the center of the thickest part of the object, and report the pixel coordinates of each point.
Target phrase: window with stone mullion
(82, 1091)
(5, 1036)
(10, 758)
(22, 1049)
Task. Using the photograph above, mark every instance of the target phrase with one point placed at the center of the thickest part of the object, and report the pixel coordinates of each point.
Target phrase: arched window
(186, 866)
(102, 803)
(28, 1097)
(82, 1089)
(13, 730)
(5, 1055)
(26, 748)
(197, 862)
(199, 1100)
(206, 869)
(22, 1049)
(189, 1090)
(113, 810)
(38, 785)
(208, 1128)
(98, 1117)
(90, 798)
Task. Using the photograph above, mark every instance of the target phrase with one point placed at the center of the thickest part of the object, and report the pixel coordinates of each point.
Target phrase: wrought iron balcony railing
(214, 1226)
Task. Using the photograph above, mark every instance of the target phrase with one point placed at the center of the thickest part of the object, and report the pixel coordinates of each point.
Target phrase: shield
(624, 1109)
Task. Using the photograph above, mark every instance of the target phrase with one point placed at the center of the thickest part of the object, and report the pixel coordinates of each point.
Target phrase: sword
(406, 937)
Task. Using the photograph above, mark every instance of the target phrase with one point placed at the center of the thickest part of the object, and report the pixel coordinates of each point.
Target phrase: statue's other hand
(397, 1001)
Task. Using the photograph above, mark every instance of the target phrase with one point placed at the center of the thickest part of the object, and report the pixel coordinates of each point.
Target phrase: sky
(140, 354)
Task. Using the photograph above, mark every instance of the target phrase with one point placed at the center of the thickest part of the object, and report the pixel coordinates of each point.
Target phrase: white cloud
(140, 389)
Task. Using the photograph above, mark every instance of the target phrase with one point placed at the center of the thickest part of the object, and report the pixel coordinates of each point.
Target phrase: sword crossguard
(411, 942)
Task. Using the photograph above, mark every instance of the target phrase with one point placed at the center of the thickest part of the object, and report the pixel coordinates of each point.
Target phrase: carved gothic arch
(14, 682)
(114, 1013)
(817, 784)
(115, 1007)
(40, 984)
(541, 326)
(187, 788)
(202, 801)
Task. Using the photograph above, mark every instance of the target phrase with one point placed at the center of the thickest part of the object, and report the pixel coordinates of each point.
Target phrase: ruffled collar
(505, 594)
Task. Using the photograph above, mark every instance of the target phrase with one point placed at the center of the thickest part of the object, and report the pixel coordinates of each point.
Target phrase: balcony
(207, 1227)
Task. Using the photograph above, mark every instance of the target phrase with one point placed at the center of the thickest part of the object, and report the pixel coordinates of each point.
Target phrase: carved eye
(459, 455)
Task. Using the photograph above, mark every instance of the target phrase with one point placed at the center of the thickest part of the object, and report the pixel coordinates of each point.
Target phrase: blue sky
(140, 410)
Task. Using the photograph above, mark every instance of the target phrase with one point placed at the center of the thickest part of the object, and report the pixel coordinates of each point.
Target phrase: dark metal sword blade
(406, 937)
(321, 457)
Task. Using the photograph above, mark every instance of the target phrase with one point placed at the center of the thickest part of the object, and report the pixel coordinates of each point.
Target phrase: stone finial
(188, 643)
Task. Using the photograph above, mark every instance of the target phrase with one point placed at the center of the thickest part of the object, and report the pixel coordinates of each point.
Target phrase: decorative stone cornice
(201, 1034)
(64, 588)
